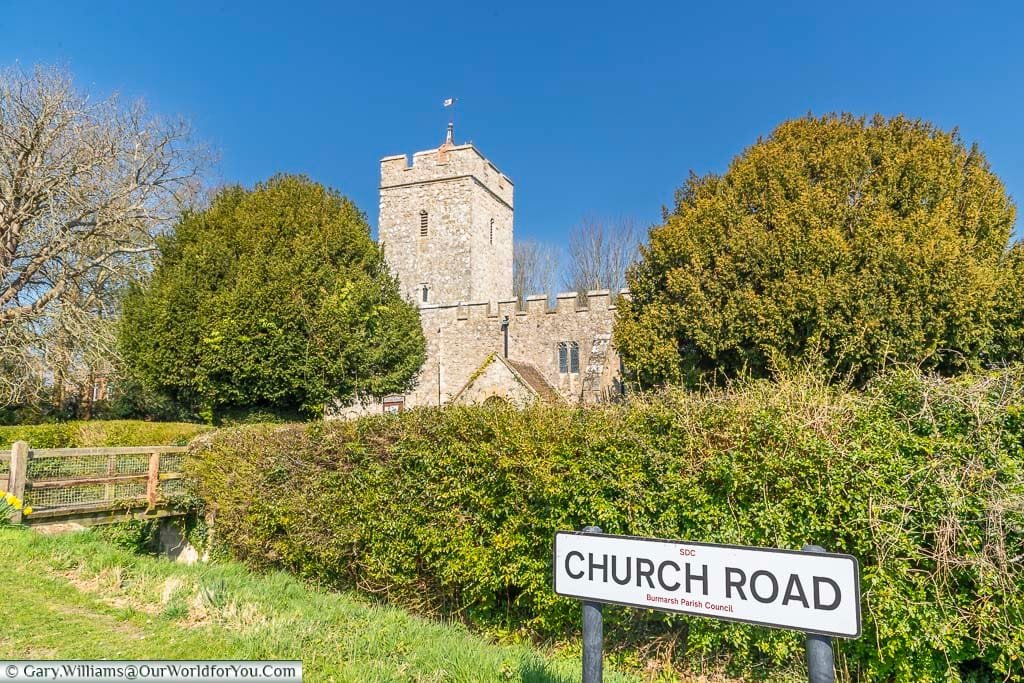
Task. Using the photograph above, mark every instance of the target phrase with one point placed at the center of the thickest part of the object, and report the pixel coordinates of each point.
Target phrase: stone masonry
(446, 226)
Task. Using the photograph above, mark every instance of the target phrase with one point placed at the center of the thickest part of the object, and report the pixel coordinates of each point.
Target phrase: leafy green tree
(271, 299)
(837, 242)
(1008, 345)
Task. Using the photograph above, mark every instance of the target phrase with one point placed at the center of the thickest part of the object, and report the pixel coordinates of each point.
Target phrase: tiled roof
(531, 375)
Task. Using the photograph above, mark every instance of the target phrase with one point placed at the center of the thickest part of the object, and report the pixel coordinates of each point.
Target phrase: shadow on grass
(535, 672)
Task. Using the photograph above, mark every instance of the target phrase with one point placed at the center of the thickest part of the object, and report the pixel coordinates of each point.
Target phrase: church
(446, 230)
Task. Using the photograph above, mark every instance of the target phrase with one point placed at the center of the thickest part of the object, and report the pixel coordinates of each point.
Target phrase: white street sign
(804, 591)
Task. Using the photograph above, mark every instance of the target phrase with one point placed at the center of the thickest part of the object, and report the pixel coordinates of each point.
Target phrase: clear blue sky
(589, 107)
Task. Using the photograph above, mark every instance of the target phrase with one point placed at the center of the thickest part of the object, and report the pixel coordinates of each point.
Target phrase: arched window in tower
(492, 231)
(423, 295)
(423, 223)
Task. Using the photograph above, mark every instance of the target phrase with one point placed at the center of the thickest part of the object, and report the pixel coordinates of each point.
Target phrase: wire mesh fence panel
(68, 467)
(72, 477)
(127, 490)
(172, 462)
(172, 487)
(66, 496)
(82, 466)
(135, 463)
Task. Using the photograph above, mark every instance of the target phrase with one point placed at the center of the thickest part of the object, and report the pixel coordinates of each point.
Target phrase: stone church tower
(446, 225)
(446, 230)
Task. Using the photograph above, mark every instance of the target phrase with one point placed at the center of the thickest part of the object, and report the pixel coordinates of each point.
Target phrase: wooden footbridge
(92, 485)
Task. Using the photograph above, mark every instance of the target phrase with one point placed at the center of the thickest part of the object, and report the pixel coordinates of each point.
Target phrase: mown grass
(78, 596)
(90, 433)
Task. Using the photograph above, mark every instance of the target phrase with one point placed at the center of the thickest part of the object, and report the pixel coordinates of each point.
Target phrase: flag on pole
(449, 102)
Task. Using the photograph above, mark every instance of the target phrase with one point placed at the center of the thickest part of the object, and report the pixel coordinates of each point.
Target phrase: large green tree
(838, 242)
(273, 298)
(1008, 343)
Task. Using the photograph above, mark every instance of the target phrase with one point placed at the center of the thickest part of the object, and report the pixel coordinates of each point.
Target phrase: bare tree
(599, 252)
(85, 187)
(534, 266)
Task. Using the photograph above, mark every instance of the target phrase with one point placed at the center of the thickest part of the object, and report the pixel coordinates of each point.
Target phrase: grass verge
(79, 597)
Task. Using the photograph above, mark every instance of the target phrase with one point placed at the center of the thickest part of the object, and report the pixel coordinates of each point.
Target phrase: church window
(423, 223)
(492, 231)
(568, 358)
(424, 294)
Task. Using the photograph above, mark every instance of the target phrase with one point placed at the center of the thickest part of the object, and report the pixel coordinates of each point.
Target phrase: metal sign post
(807, 590)
(593, 633)
(821, 666)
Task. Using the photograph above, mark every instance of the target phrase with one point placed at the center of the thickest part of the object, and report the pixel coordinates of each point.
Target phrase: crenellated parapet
(535, 305)
(446, 163)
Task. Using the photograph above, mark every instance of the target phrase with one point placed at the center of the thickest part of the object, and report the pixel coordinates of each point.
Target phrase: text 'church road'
(812, 592)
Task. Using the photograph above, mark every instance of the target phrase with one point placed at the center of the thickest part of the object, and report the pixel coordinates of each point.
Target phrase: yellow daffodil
(27, 510)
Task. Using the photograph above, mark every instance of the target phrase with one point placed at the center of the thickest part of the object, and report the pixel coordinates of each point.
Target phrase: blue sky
(589, 108)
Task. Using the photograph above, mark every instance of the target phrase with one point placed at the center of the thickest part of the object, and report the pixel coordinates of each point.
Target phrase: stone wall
(491, 259)
(443, 259)
(462, 193)
(450, 162)
(471, 332)
(460, 338)
(495, 380)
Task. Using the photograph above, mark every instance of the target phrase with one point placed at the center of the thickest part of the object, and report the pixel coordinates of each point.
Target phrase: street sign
(814, 592)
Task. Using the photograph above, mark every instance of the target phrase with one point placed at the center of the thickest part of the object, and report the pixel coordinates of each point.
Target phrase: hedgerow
(83, 433)
(453, 511)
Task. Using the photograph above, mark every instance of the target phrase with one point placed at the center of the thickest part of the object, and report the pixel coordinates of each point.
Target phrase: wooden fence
(90, 484)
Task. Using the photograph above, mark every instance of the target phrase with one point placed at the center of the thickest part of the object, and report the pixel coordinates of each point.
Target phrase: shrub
(848, 243)
(130, 399)
(453, 511)
(274, 299)
(101, 433)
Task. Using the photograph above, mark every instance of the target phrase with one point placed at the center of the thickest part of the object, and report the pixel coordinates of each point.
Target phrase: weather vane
(450, 103)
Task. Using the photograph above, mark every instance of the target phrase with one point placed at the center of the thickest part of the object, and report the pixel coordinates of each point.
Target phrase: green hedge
(101, 433)
(453, 511)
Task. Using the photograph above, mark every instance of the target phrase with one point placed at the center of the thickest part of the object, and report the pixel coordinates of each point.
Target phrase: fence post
(109, 487)
(154, 479)
(821, 666)
(19, 472)
(593, 633)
